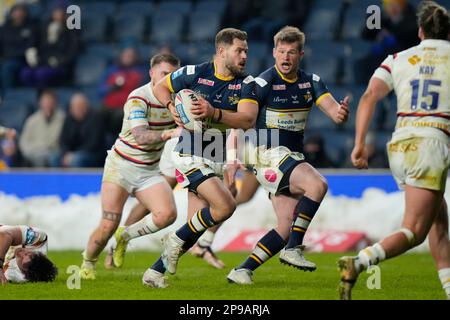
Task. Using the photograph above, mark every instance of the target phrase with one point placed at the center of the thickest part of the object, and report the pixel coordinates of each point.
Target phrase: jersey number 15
(426, 92)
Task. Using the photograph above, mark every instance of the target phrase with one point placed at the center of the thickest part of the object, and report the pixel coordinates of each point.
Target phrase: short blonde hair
(290, 35)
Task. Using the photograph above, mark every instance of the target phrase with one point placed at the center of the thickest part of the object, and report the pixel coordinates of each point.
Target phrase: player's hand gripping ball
(183, 105)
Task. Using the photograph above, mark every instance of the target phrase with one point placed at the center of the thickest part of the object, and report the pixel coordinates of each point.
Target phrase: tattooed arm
(144, 135)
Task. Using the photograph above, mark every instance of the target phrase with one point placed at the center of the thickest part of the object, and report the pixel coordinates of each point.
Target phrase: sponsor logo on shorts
(270, 175)
(179, 176)
(206, 82)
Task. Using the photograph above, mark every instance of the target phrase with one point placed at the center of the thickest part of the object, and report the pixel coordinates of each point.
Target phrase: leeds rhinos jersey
(142, 108)
(285, 105)
(221, 92)
(420, 77)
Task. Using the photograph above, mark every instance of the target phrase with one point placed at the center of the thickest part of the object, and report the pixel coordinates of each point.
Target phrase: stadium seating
(354, 22)
(166, 30)
(27, 96)
(13, 114)
(216, 6)
(322, 24)
(175, 7)
(89, 69)
(99, 8)
(129, 27)
(64, 95)
(109, 51)
(131, 8)
(94, 28)
(203, 25)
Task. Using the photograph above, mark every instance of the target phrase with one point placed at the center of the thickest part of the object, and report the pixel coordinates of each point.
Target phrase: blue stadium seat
(324, 47)
(354, 22)
(92, 94)
(94, 28)
(164, 29)
(217, 6)
(145, 8)
(99, 8)
(28, 96)
(322, 24)
(35, 10)
(182, 7)
(357, 48)
(64, 95)
(129, 27)
(254, 66)
(323, 65)
(317, 120)
(338, 145)
(13, 114)
(259, 50)
(334, 5)
(106, 50)
(203, 25)
(146, 51)
(89, 69)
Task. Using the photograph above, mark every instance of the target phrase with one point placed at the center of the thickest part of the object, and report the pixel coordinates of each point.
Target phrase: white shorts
(273, 164)
(166, 164)
(131, 177)
(419, 162)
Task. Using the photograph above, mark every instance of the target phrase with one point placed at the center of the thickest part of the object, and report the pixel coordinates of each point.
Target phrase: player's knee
(317, 187)
(165, 217)
(224, 209)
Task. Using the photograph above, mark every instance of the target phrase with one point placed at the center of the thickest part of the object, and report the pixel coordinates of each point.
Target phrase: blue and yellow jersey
(285, 105)
(221, 92)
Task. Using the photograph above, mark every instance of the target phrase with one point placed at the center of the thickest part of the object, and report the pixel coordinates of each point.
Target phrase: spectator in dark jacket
(51, 63)
(82, 136)
(17, 35)
(398, 32)
(314, 151)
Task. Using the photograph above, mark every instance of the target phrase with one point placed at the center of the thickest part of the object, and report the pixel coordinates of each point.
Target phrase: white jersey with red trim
(32, 238)
(142, 109)
(420, 77)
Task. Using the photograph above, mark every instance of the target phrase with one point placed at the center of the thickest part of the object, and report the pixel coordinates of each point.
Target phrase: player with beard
(226, 100)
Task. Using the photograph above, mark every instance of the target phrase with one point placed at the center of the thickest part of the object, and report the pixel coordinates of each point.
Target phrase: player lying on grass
(419, 149)
(286, 94)
(23, 255)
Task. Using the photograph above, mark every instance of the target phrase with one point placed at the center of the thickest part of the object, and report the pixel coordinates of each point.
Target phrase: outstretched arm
(338, 112)
(376, 90)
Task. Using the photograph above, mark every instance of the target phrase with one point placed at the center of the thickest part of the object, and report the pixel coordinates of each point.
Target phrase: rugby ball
(183, 105)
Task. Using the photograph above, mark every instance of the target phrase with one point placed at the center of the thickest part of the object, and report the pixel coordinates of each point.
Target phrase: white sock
(444, 276)
(370, 256)
(141, 228)
(113, 243)
(206, 239)
(88, 262)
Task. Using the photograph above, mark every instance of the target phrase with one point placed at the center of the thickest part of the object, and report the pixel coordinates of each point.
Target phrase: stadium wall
(359, 208)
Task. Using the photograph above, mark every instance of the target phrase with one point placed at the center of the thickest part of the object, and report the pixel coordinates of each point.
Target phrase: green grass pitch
(411, 276)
